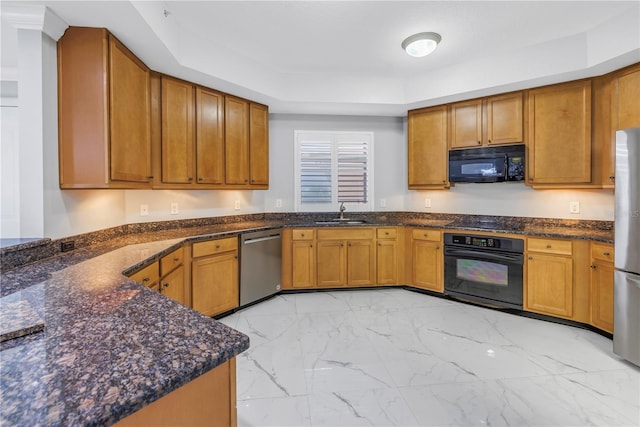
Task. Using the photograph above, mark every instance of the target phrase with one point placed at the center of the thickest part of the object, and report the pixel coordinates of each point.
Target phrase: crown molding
(34, 17)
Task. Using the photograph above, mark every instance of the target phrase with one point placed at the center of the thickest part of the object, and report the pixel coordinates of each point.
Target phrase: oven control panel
(485, 242)
(504, 244)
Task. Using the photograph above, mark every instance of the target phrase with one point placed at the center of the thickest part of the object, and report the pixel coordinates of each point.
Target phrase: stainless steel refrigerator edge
(626, 293)
(260, 264)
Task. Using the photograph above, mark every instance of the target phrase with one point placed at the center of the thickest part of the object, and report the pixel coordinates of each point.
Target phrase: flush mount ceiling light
(421, 44)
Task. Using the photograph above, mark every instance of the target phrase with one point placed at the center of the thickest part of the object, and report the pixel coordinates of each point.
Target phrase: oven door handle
(485, 255)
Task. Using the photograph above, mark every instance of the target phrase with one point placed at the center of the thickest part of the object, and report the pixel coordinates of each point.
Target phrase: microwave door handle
(485, 255)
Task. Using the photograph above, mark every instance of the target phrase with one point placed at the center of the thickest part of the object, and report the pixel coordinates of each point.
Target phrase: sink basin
(343, 221)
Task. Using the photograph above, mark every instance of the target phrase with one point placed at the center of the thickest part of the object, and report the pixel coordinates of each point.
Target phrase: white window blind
(333, 167)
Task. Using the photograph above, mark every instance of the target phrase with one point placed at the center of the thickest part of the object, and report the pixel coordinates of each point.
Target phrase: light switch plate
(174, 208)
(574, 207)
(144, 210)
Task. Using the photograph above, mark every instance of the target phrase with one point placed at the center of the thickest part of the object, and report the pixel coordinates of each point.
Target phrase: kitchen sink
(342, 221)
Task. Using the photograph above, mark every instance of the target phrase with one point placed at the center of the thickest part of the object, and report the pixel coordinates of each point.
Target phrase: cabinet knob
(302, 234)
(386, 233)
(606, 254)
(479, 142)
(311, 245)
(235, 257)
(199, 178)
(246, 180)
(530, 257)
(593, 266)
(612, 178)
(489, 142)
(150, 177)
(253, 180)
(166, 285)
(145, 280)
(217, 246)
(437, 248)
(176, 259)
(548, 246)
(190, 178)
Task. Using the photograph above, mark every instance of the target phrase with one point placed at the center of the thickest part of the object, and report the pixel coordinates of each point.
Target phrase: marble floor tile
(397, 357)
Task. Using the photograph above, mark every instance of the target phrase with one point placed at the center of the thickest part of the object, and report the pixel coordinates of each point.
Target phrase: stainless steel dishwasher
(260, 264)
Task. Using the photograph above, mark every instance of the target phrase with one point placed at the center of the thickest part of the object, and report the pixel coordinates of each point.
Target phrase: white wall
(389, 153)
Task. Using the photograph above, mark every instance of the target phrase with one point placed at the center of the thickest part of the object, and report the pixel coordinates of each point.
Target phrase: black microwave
(489, 164)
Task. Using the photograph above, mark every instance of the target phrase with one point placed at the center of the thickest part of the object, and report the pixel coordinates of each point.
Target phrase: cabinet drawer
(303, 234)
(551, 246)
(147, 276)
(386, 233)
(211, 247)
(171, 261)
(602, 252)
(425, 234)
(345, 233)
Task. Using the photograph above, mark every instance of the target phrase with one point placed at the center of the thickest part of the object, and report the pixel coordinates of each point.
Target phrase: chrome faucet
(342, 209)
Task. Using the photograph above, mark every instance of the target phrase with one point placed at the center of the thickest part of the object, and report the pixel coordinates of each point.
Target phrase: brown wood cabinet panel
(361, 263)
(212, 247)
(259, 144)
(551, 246)
(178, 121)
(236, 141)
(466, 124)
(173, 285)
(214, 283)
(603, 132)
(103, 112)
(331, 265)
(387, 262)
(427, 150)
(303, 264)
(171, 261)
(602, 295)
(209, 136)
(560, 134)
(303, 234)
(549, 288)
(193, 403)
(504, 119)
(628, 94)
(427, 265)
(147, 276)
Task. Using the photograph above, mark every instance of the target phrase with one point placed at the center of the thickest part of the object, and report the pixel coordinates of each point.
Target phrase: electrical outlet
(278, 203)
(237, 205)
(427, 202)
(67, 246)
(174, 208)
(383, 203)
(574, 207)
(144, 210)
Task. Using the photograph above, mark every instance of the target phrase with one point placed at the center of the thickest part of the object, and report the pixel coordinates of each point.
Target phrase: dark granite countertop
(110, 346)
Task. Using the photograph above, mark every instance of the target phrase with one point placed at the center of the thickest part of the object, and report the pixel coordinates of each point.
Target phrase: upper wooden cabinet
(559, 139)
(209, 136)
(236, 115)
(628, 96)
(466, 124)
(427, 152)
(178, 120)
(104, 112)
(496, 120)
(258, 145)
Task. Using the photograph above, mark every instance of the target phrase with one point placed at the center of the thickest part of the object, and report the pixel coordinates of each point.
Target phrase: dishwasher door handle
(262, 239)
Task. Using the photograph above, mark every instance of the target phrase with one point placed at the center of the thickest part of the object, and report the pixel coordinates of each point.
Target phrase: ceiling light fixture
(421, 44)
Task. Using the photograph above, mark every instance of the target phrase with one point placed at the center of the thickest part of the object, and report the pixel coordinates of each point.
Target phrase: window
(333, 167)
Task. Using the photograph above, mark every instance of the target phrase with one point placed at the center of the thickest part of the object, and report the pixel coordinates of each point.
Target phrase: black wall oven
(485, 269)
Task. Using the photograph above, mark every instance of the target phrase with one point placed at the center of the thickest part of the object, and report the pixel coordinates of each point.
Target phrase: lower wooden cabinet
(166, 276)
(427, 262)
(207, 400)
(214, 276)
(549, 285)
(601, 289)
(387, 256)
(345, 257)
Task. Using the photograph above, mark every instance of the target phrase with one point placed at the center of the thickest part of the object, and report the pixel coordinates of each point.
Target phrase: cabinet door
(236, 118)
(603, 131)
(387, 265)
(560, 134)
(259, 144)
(331, 263)
(361, 258)
(602, 295)
(427, 265)
(214, 282)
(304, 262)
(504, 119)
(466, 124)
(549, 287)
(178, 124)
(172, 285)
(129, 115)
(628, 96)
(209, 137)
(427, 151)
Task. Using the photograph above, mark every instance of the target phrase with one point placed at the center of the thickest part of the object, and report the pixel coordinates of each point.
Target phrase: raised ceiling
(344, 57)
